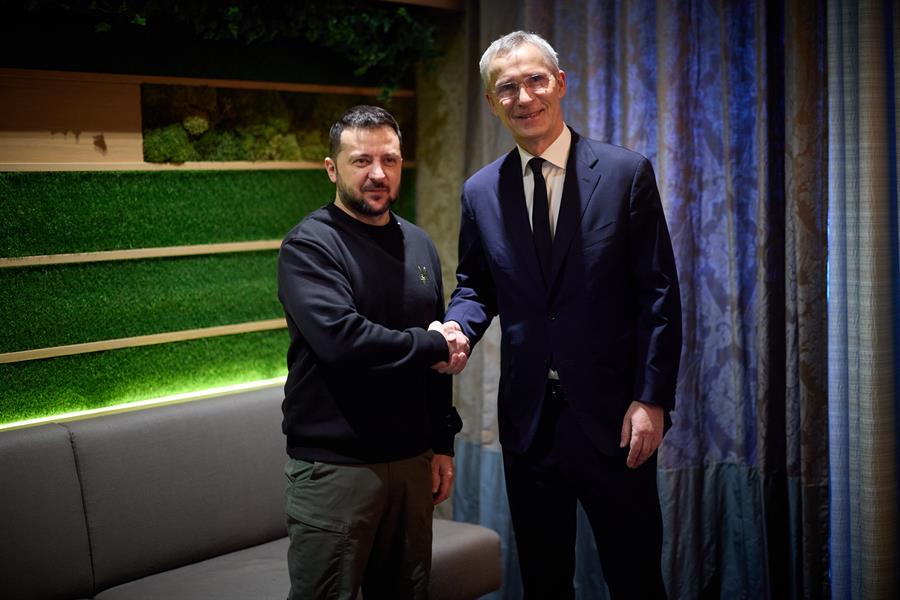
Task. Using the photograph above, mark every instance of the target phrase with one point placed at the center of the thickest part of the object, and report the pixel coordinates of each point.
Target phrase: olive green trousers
(359, 526)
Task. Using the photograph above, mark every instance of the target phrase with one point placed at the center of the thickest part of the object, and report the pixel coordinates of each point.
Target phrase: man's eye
(507, 89)
(537, 81)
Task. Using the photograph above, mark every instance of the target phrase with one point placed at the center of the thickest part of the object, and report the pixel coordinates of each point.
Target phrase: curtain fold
(806, 193)
(862, 288)
(772, 126)
(731, 113)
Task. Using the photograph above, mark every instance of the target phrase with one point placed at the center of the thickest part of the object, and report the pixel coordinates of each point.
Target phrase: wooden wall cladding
(48, 120)
(164, 271)
(70, 121)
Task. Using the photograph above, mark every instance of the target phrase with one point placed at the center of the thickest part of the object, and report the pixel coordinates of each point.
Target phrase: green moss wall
(48, 306)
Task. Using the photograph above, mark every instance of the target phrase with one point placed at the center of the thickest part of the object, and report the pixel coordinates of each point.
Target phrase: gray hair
(509, 42)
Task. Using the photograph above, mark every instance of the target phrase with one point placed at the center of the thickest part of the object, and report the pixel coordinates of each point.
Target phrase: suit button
(552, 316)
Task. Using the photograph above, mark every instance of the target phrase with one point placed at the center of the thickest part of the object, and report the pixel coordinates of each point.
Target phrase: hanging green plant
(370, 35)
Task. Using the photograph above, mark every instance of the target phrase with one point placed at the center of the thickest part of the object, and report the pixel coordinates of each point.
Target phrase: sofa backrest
(174, 485)
(44, 548)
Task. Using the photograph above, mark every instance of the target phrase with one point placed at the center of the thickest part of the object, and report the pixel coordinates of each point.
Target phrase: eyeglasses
(535, 84)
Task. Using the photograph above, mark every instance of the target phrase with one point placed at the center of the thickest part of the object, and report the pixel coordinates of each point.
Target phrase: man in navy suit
(565, 239)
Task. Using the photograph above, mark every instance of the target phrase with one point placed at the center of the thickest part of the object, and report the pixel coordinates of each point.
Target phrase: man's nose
(527, 97)
(376, 172)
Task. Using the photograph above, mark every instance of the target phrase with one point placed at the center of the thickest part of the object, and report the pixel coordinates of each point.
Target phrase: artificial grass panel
(68, 304)
(53, 386)
(60, 212)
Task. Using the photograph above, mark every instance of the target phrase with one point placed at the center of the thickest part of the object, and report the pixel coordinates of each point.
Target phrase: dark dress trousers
(608, 321)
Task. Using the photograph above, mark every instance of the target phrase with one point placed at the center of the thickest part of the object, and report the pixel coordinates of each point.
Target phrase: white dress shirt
(554, 170)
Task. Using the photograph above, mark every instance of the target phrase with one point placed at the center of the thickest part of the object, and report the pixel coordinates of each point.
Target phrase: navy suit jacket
(609, 318)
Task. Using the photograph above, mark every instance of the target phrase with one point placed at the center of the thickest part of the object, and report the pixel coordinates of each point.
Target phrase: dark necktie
(540, 217)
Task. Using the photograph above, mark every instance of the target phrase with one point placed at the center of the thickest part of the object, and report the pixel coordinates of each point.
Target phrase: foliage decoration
(184, 123)
(371, 35)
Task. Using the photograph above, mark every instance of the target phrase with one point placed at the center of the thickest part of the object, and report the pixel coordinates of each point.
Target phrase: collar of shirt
(557, 153)
(556, 156)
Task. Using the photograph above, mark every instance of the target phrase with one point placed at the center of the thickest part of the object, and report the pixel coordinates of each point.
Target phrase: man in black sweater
(369, 422)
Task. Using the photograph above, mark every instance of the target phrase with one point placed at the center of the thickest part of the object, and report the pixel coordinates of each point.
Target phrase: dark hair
(361, 117)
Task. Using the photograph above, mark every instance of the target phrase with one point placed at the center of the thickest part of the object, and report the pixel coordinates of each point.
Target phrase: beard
(357, 203)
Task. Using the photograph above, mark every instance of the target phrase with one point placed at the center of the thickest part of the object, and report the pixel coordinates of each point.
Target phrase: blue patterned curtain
(864, 296)
(728, 100)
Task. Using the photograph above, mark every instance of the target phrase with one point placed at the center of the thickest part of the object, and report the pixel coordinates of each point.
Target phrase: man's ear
(491, 103)
(331, 169)
(561, 81)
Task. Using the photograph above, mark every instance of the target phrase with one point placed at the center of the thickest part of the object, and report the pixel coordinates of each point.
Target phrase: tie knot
(536, 165)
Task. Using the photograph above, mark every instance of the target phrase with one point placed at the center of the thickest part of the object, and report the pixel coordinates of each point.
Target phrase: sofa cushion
(259, 573)
(465, 565)
(465, 561)
(170, 486)
(44, 550)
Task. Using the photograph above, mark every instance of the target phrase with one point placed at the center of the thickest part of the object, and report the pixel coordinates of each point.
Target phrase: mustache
(369, 187)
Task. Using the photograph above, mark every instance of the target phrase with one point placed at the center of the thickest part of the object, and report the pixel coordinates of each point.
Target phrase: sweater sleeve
(317, 296)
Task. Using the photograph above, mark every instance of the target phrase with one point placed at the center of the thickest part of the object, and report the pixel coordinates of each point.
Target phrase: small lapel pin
(423, 274)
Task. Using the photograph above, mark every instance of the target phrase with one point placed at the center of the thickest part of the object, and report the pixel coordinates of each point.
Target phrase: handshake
(458, 344)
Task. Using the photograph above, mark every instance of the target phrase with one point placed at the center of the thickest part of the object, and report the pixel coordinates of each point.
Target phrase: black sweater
(358, 299)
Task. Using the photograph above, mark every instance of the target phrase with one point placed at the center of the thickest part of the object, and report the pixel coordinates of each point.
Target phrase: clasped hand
(457, 343)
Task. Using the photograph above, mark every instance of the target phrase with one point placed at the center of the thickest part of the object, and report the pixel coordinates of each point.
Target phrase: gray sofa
(177, 502)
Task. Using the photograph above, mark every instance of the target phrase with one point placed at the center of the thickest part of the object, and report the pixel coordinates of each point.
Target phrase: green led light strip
(141, 404)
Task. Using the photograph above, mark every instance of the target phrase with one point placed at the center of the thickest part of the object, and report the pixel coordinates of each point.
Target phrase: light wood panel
(141, 340)
(236, 165)
(74, 121)
(137, 253)
(87, 122)
(312, 88)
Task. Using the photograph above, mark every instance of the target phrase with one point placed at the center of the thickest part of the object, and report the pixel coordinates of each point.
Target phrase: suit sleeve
(317, 296)
(445, 420)
(655, 280)
(473, 303)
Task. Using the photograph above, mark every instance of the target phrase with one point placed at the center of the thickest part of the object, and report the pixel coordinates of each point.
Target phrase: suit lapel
(582, 176)
(515, 219)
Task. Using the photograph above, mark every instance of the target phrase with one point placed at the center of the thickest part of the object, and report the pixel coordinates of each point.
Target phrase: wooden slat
(233, 165)
(312, 88)
(237, 165)
(141, 340)
(137, 253)
(85, 122)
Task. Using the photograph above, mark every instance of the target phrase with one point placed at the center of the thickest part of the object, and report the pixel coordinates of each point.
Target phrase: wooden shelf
(141, 340)
(237, 165)
(74, 121)
(312, 88)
